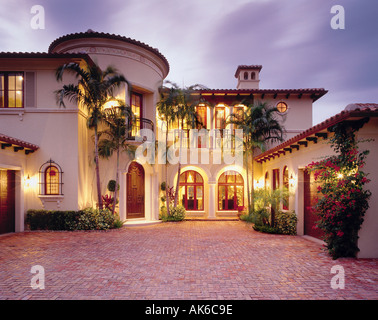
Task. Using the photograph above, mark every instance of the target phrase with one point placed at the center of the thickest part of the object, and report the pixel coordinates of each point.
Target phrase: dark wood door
(310, 218)
(135, 191)
(7, 201)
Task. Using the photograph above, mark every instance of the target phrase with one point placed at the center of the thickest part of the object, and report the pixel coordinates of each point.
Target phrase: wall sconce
(27, 182)
(259, 184)
(291, 181)
(30, 182)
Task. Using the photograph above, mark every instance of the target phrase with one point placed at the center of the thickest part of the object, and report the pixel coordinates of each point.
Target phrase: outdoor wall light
(27, 181)
(291, 181)
(30, 182)
(259, 184)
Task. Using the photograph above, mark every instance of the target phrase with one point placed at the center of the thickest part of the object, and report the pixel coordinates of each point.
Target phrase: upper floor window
(11, 89)
(201, 111)
(220, 117)
(282, 107)
(137, 110)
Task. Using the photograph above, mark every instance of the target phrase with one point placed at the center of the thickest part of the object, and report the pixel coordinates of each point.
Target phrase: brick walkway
(186, 260)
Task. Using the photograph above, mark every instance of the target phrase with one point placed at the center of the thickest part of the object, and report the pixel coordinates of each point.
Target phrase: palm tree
(260, 126)
(182, 109)
(114, 138)
(93, 89)
(166, 114)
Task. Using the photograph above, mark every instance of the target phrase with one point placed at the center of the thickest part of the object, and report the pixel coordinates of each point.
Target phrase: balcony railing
(138, 124)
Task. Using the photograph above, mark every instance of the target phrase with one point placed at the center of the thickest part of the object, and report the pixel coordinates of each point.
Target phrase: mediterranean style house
(46, 155)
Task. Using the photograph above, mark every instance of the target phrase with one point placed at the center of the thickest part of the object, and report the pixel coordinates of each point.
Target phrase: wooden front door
(310, 218)
(135, 191)
(7, 201)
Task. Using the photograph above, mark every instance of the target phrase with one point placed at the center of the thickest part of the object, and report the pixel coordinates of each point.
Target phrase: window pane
(198, 178)
(222, 178)
(182, 195)
(199, 195)
(239, 195)
(230, 197)
(11, 82)
(230, 177)
(222, 197)
(52, 180)
(11, 99)
(190, 198)
(239, 178)
(19, 81)
(182, 177)
(190, 177)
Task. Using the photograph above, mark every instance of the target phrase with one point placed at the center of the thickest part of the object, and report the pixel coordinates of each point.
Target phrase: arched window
(285, 181)
(50, 179)
(191, 190)
(245, 75)
(253, 75)
(230, 191)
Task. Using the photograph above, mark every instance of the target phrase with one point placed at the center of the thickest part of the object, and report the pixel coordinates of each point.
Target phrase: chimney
(248, 76)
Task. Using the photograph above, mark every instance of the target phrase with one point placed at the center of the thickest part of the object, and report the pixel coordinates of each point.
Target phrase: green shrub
(87, 219)
(265, 228)
(51, 220)
(176, 214)
(286, 222)
(95, 219)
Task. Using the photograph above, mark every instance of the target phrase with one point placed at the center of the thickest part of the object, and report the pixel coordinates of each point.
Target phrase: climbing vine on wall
(342, 200)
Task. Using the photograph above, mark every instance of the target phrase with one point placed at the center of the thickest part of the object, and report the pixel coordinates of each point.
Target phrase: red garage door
(310, 218)
(7, 201)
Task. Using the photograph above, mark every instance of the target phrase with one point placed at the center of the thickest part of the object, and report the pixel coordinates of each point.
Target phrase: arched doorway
(135, 191)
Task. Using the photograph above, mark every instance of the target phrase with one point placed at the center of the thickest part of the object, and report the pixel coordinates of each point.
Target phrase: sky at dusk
(205, 40)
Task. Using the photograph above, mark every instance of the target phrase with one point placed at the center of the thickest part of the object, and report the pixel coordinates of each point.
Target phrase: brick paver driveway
(186, 260)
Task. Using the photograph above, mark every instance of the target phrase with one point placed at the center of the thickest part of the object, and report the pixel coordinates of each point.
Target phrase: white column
(122, 196)
(212, 200)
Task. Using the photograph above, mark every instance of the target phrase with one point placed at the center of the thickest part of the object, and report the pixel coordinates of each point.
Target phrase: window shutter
(30, 90)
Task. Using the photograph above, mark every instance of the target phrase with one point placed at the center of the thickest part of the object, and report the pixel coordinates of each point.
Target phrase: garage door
(310, 218)
(7, 201)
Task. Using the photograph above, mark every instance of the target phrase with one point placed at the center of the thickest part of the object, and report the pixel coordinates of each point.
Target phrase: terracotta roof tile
(352, 110)
(4, 139)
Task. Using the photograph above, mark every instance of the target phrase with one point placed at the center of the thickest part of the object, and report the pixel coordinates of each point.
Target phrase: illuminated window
(230, 191)
(11, 90)
(220, 117)
(201, 111)
(50, 175)
(191, 190)
(52, 180)
(282, 107)
(136, 109)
